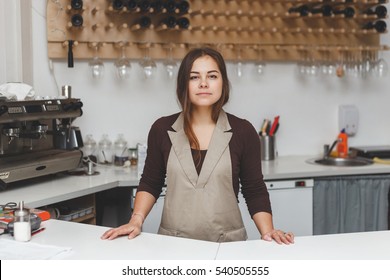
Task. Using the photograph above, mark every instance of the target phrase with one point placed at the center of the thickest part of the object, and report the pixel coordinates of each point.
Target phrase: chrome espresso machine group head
(37, 138)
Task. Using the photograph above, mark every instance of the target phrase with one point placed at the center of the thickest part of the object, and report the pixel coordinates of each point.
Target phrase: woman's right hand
(132, 229)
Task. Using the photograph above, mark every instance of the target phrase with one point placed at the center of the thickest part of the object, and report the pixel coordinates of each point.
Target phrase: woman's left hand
(279, 236)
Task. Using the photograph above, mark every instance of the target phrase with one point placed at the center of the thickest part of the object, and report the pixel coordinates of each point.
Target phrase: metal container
(267, 144)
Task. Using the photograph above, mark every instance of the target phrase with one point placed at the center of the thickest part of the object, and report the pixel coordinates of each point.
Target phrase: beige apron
(201, 207)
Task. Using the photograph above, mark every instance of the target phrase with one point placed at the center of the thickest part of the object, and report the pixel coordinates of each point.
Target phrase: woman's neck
(202, 116)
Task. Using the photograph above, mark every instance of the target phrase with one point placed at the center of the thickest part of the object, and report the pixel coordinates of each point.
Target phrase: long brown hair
(182, 91)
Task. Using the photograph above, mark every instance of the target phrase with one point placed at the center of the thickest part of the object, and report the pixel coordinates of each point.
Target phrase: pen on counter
(37, 231)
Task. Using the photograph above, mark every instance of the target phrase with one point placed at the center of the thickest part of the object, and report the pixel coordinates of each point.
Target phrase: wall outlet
(349, 119)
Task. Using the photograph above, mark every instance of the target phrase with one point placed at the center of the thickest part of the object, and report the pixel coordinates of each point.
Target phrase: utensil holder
(267, 144)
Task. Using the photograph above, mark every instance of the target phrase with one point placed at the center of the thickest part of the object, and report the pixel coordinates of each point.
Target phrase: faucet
(327, 152)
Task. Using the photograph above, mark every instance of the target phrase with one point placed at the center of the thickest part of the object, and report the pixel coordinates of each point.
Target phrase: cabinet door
(292, 211)
(351, 204)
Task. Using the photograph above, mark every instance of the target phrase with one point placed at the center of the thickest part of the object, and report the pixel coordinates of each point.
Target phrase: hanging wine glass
(148, 64)
(301, 65)
(380, 68)
(123, 65)
(239, 66)
(170, 64)
(260, 64)
(313, 65)
(96, 65)
(327, 67)
(365, 65)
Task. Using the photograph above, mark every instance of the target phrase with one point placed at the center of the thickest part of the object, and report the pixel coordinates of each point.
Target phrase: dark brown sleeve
(253, 187)
(159, 147)
(153, 175)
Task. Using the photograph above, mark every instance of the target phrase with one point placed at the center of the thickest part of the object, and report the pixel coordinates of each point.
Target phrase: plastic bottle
(342, 145)
(22, 224)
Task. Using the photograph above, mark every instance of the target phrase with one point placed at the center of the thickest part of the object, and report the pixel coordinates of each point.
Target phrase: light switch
(349, 119)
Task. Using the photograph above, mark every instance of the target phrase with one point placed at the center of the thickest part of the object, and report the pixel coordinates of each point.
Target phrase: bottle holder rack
(247, 30)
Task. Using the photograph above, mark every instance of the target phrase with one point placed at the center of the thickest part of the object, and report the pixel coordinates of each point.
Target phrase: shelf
(254, 30)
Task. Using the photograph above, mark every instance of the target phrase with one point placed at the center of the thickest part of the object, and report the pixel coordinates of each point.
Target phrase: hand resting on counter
(132, 229)
(279, 236)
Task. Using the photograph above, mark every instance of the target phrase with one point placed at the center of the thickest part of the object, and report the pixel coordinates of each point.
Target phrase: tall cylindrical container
(267, 145)
(342, 145)
(22, 224)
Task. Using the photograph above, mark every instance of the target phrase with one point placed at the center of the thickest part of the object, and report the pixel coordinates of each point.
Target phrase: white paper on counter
(15, 250)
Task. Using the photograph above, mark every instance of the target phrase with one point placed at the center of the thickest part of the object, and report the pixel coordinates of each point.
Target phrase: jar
(89, 148)
(133, 156)
(22, 223)
(105, 150)
(121, 153)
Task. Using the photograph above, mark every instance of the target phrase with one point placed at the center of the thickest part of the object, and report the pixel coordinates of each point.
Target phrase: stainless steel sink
(332, 161)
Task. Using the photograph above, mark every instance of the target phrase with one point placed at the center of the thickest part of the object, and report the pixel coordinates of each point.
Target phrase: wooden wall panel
(241, 29)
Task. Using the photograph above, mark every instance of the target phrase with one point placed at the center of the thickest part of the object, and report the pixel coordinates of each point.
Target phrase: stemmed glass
(148, 65)
(239, 65)
(170, 64)
(96, 65)
(380, 68)
(260, 64)
(123, 65)
(327, 67)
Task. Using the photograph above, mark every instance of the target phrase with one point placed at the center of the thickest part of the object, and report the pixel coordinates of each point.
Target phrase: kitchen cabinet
(292, 207)
(81, 209)
(346, 204)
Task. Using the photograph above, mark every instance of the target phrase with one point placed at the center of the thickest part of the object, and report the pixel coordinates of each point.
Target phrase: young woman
(203, 154)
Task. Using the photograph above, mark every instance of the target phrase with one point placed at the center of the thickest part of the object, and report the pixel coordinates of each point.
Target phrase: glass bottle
(77, 20)
(22, 223)
(105, 150)
(183, 7)
(183, 23)
(76, 4)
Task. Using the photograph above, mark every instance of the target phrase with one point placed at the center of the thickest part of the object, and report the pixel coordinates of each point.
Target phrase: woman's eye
(213, 77)
(193, 77)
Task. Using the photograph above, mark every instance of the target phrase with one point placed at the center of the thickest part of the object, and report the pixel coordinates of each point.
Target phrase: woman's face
(205, 85)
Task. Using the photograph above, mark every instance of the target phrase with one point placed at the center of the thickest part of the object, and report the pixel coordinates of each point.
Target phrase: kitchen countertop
(86, 244)
(57, 188)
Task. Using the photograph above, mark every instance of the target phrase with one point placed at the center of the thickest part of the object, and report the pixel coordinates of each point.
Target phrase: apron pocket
(169, 232)
(234, 235)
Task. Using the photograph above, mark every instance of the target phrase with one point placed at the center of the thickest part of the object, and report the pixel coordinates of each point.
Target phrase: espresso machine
(37, 138)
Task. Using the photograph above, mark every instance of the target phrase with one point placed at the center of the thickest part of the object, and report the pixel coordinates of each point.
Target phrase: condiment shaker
(22, 223)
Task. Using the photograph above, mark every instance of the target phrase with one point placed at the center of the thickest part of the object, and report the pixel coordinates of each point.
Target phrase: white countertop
(346, 246)
(85, 243)
(297, 167)
(63, 187)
